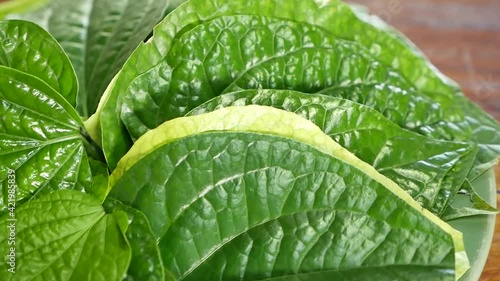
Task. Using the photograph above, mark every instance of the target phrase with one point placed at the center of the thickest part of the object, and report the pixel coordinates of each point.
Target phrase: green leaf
(41, 145)
(100, 179)
(405, 107)
(420, 114)
(26, 47)
(190, 74)
(254, 192)
(115, 139)
(146, 262)
(484, 130)
(147, 75)
(65, 235)
(468, 203)
(431, 171)
(98, 36)
(478, 126)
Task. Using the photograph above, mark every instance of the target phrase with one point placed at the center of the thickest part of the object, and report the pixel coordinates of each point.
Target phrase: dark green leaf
(146, 262)
(26, 47)
(40, 140)
(115, 138)
(405, 107)
(392, 47)
(238, 191)
(98, 36)
(420, 114)
(431, 171)
(191, 74)
(65, 235)
(148, 73)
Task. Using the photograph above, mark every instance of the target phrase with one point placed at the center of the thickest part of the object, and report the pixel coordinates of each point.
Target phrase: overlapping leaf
(40, 139)
(146, 262)
(431, 172)
(192, 72)
(26, 47)
(66, 236)
(257, 200)
(147, 72)
(98, 36)
(478, 126)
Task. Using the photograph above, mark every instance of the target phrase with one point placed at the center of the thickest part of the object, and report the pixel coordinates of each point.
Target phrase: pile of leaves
(240, 140)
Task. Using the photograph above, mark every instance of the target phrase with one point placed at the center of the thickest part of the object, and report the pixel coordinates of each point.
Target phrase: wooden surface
(462, 38)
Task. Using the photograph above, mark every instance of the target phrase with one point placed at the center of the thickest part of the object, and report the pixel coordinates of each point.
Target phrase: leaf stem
(93, 150)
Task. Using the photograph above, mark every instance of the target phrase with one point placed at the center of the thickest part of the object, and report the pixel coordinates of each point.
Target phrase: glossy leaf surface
(26, 47)
(140, 77)
(431, 172)
(66, 235)
(192, 72)
(199, 177)
(40, 139)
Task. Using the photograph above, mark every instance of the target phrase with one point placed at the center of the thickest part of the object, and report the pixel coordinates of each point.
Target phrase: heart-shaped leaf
(26, 47)
(65, 235)
(41, 141)
(256, 193)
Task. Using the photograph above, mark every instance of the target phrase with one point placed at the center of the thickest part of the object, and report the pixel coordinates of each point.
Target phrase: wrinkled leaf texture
(431, 172)
(41, 145)
(98, 36)
(149, 71)
(66, 235)
(231, 195)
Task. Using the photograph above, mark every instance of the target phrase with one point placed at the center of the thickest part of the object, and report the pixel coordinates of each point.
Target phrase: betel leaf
(462, 204)
(65, 235)
(404, 107)
(333, 16)
(146, 262)
(26, 47)
(100, 179)
(115, 139)
(191, 73)
(482, 129)
(98, 36)
(257, 193)
(392, 47)
(420, 114)
(41, 142)
(431, 172)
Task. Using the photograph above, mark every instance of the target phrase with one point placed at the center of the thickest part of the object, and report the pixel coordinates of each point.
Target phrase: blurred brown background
(462, 38)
